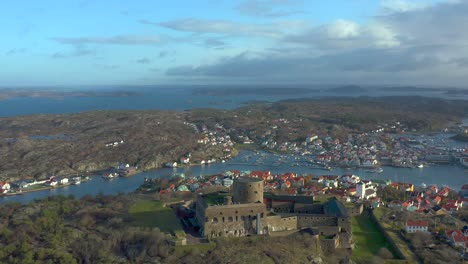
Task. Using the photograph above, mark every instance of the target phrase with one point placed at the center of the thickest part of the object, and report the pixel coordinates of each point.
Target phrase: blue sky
(104, 42)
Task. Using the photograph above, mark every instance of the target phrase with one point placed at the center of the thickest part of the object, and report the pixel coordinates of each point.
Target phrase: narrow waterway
(452, 176)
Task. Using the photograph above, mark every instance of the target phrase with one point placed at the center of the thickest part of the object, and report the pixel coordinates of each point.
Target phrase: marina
(453, 176)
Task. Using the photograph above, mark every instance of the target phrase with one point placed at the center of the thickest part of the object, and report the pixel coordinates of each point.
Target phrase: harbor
(454, 176)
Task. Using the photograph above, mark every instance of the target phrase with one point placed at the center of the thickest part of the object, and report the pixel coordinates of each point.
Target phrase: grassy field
(154, 214)
(369, 240)
(392, 231)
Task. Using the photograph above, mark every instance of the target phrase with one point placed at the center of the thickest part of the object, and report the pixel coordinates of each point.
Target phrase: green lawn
(369, 240)
(153, 214)
(392, 231)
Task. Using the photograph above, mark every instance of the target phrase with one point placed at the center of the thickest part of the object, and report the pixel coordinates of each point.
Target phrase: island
(40, 146)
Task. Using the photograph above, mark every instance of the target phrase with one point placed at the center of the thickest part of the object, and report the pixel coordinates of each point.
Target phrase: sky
(146, 42)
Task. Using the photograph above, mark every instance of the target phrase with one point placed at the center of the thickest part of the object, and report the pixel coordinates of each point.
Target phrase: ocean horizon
(180, 98)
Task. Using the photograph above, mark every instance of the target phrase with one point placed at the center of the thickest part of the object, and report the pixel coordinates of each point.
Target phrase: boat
(421, 166)
(375, 170)
(110, 175)
(423, 185)
(76, 180)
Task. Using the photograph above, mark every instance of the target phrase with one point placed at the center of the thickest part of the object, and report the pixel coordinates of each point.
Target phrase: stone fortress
(251, 212)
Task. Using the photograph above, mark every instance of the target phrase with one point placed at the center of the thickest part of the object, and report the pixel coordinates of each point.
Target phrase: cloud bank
(412, 42)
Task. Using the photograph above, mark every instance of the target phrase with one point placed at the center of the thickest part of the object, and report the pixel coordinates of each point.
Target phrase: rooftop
(417, 223)
(335, 207)
(291, 198)
(215, 198)
(249, 179)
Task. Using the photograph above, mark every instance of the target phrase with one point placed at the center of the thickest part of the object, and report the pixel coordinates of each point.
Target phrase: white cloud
(270, 8)
(404, 5)
(414, 44)
(342, 29)
(383, 36)
(345, 35)
(114, 40)
(205, 26)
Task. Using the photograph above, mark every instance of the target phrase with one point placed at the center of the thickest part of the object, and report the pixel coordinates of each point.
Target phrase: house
(227, 182)
(51, 182)
(370, 163)
(412, 226)
(375, 202)
(62, 180)
(266, 175)
(365, 190)
(458, 238)
(184, 160)
(437, 200)
(403, 186)
(452, 205)
(24, 183)
(311, 138)
(5, 186)
(171, 164)
(444, 192)
(182, 188)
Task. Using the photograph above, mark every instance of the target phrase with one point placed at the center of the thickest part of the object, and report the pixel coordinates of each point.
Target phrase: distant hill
(347, 89)
(251, 90)
(457, 91)
(409, 89)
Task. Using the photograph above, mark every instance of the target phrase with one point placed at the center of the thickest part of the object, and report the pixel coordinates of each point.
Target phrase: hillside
(43, 145)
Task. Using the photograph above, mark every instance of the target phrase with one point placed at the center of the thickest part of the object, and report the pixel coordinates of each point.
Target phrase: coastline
(430, 175)
(99, 173)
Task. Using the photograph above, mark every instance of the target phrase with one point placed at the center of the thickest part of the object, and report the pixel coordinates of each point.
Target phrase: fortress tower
(248, 190)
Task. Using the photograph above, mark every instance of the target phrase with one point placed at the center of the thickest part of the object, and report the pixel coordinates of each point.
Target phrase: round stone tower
(248, 190)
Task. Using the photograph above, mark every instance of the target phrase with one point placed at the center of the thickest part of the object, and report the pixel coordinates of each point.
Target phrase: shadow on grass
(165, 220)
(368, 238)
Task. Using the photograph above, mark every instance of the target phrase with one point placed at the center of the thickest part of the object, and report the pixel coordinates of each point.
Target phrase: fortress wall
(278, 223)
(282, 206)
(328, 230)
(308, 208)
(329, 245)
(304, 221)
(233, 213)
(356, 210)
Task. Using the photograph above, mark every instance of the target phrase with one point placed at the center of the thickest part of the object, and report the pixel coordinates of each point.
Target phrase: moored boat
(110, 175)
(76, 181)
(376, 170)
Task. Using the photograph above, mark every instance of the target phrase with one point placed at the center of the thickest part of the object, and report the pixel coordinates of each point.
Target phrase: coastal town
(321, 175)
(386, 145)
(432, 209)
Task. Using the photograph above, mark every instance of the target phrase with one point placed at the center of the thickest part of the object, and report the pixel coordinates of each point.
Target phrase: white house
(370, 163)
(416, 226)
(5, 186)
(311, 138)
(52, 182)
(171, 164)
(365, 191)
(63, 180)
(227, 182)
